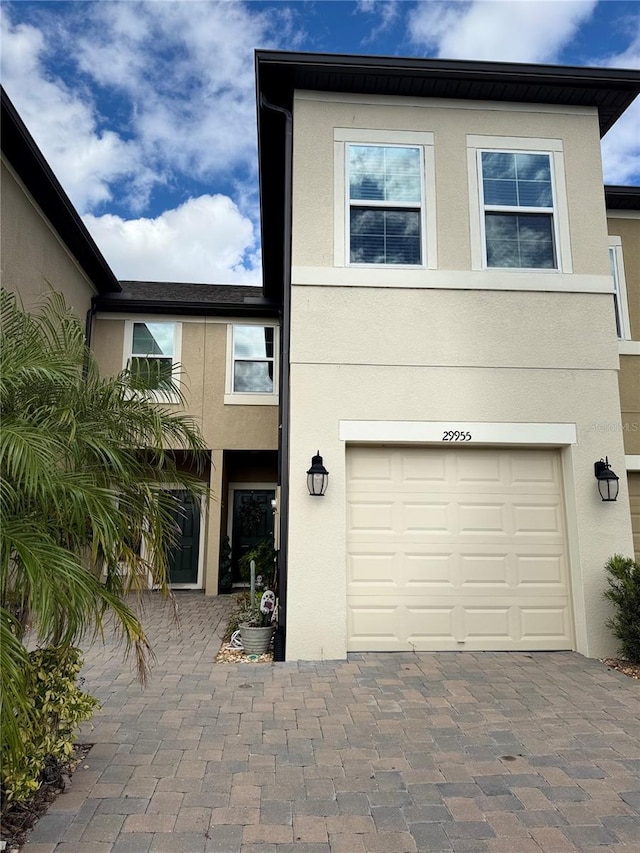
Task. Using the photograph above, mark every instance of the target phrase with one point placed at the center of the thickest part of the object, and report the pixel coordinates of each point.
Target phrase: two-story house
(452, 343)
(225, 339)
(224, 342)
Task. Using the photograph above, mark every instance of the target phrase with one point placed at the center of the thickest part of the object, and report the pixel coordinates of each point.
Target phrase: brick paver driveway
(385, 753)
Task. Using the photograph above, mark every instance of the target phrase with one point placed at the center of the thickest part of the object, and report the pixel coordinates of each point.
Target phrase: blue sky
(146, 110)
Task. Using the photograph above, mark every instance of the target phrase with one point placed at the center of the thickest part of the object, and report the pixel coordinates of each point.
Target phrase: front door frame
(174, 487)
(245, 487)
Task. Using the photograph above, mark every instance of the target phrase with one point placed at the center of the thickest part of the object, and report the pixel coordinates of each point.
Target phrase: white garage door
(456, 548)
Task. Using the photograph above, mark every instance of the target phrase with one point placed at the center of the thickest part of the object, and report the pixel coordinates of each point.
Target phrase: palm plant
(83, 461)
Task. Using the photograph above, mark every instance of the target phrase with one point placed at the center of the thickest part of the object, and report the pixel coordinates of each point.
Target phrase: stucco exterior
(628, 229)
(452, 345)
(202, 359)
(33, 257)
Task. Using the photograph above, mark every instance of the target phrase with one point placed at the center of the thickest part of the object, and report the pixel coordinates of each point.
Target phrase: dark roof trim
(25, 157)
(611, 90)
(622, 198)
(118, 305)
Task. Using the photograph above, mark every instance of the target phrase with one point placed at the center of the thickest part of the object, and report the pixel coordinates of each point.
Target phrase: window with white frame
(517, 197)
(621, 308)
(251, 367)
(386, 204)
(151, 350)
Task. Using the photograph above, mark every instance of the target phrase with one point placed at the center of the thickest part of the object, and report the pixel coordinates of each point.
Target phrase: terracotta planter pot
(256, 641)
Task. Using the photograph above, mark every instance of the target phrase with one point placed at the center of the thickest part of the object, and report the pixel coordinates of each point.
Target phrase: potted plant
(255, 622)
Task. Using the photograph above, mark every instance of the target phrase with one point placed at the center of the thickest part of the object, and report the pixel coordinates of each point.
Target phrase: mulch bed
(630, 669)
(18, 818)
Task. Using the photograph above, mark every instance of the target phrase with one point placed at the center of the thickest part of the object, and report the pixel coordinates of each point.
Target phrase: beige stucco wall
(224, 427)
(317, 545)
(313, 170)
(628, 229)
(32, 256)
(520, 354)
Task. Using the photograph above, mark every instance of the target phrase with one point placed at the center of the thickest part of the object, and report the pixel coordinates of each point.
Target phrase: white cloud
(387, 12)
(621, 146)
(85, 159)
(514, 31)
(205, 240)
(187, 70)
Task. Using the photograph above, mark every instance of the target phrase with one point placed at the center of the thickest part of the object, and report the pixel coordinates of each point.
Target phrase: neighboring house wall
(384, 356)
(626, 226)
(33, 257)
(203, 358)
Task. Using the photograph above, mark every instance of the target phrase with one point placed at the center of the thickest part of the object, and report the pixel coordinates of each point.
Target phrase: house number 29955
(456, 435)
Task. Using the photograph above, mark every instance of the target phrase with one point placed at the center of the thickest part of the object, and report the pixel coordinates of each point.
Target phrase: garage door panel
(376, 517)
(476, 560)
(541, 570)
(446, 625)
(425, 517)
(475, 517)
(537, 518)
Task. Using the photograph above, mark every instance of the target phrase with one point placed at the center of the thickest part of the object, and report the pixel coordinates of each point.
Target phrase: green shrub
(624, 591)
(57, 706)
(264, 556)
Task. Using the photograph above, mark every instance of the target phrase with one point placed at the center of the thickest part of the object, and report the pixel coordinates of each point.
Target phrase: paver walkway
(383, 753)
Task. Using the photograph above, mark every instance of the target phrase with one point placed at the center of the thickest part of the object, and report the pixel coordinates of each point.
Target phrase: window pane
(517, 180)
(366, 172)
(253, 341)
(253, 377)
(533, 167)
(154, 372)
(500, 165)
(378, 173)
(500, 192)
(524, 241)
(153, 339)
(385, 236)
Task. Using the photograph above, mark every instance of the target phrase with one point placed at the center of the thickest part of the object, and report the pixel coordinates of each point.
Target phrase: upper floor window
(518, 201)
(251, 368)
(386, 204)
(621, 308)
(151, 350)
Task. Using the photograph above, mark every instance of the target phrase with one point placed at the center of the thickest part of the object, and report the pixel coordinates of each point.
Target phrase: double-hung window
(519, 215)
(151, 351)
(251, 368)
(386, 204)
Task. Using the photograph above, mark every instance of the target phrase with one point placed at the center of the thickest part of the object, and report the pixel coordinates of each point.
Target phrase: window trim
(385, 205)
(620, 289)
(423, 140)
(476, 145)
(245, 398)
(159, 396)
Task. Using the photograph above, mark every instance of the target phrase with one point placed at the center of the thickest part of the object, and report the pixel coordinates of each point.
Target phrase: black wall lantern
(608, 485)
(317, 477)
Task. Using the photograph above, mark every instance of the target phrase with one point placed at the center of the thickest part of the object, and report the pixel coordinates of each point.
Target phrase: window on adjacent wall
(151, 349)
(386, 206)
(623, 329)
(251, 376)
(518, 201)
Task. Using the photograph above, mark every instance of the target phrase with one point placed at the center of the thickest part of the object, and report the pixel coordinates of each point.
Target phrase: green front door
(252, 523)
(183, 557)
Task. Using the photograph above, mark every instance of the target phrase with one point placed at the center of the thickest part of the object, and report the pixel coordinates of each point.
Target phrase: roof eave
(27, 160)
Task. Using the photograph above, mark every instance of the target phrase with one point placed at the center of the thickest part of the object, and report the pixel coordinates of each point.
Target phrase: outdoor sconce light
(317, 477)
(607, 480)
